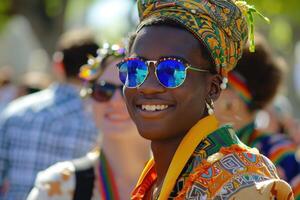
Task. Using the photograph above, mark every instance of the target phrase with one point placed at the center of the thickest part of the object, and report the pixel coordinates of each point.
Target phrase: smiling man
(177, 63)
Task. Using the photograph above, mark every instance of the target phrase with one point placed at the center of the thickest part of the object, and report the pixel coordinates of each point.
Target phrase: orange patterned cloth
(222, 167)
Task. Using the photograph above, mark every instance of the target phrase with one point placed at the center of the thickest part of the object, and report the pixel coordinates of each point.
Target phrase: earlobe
(58, 65)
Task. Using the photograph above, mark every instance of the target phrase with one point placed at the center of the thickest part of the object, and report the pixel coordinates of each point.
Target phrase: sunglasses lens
(133, 72)
(102, 93)
(171, 73)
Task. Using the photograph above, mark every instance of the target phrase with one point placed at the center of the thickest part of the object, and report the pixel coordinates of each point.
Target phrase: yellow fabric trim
(184, 151)
(145, 171)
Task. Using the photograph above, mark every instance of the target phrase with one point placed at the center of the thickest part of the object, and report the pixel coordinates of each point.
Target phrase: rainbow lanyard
(107, 184)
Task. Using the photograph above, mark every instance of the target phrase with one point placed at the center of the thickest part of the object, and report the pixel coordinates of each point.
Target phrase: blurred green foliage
(5, 7)
(53, 7)
(76, 7)
(273, 8)
(285, 17)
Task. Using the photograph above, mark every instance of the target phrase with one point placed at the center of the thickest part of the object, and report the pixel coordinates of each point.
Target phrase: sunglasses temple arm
(197, 69)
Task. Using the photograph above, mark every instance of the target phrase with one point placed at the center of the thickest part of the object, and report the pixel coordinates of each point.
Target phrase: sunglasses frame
(156, 63)
(102, 84)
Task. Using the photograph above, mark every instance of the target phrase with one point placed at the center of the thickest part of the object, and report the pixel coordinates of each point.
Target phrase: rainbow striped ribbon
(107, 184)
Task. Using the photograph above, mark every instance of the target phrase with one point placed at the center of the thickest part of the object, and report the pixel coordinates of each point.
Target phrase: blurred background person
(8, 91)
(278, 117)
(32, 82)
(48, 126)
(252, 86)
(112, 169)
(275, 118)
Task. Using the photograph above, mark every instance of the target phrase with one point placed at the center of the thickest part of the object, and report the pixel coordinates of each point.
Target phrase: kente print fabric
(218, 24)
(222, 167)
(279, 149)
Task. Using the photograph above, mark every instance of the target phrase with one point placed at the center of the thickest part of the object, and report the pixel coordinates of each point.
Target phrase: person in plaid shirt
(49, 126)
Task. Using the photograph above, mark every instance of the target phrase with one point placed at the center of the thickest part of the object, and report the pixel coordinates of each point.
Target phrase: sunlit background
(29, 30)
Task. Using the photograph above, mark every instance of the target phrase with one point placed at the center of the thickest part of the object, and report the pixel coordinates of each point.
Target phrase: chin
(117, 128)
(153, 132)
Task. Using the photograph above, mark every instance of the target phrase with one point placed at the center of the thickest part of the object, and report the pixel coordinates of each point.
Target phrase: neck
(74, 81)
(163, 152)
(127, 156)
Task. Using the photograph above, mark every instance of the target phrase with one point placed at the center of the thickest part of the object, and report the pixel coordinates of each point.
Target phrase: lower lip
(154, 114)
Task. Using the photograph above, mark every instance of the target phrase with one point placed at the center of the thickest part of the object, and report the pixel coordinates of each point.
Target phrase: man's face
(186, 104)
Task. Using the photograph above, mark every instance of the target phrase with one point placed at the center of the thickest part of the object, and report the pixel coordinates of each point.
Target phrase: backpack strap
(85, 176)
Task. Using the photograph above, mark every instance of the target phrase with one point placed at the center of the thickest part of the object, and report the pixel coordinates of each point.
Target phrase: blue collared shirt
(39, 130)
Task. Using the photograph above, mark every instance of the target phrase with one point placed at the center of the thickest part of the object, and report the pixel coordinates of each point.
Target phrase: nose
(117, 100)
(117, 104)
(151, 84)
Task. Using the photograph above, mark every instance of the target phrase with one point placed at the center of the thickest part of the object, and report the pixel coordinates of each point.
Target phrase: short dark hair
(165, 21)
(75, 47)
(262, 71)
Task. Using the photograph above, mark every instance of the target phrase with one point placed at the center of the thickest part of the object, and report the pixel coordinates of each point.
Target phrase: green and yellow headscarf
(219, 24)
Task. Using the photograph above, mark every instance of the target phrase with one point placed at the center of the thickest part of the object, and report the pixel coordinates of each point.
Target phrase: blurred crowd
(61, 110)
(13, 87)
(71, 126)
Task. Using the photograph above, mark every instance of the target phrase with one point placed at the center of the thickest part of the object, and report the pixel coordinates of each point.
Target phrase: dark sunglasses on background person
(170, 71)
(103, 91)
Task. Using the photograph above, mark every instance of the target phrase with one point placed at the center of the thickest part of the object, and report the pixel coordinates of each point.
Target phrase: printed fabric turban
(218, 24)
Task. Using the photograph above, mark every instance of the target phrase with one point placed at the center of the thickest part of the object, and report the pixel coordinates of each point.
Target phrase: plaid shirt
(39, 130)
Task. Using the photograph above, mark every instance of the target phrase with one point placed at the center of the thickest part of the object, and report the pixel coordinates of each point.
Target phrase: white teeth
(153, 108)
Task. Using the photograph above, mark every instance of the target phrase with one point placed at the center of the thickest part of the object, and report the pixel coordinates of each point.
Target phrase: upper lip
(140, 102)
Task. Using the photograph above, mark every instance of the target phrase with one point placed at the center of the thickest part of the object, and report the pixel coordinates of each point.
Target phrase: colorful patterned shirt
(39, 130)
(220, 167)
(279, 149)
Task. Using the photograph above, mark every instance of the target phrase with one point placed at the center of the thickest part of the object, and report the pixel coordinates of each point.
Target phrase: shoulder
(280, 143)
(267, 141)
(268, 189)
(56, 182)
(31, 103)
(228, 171)
(280, 149)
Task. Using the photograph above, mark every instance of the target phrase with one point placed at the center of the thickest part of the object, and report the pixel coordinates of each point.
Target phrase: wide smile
(154, 110)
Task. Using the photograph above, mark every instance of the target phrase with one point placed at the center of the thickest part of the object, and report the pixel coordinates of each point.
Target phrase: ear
(214, 89)
(58, 66)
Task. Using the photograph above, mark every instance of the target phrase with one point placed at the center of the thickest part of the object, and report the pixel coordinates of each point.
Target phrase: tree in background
(46, 17)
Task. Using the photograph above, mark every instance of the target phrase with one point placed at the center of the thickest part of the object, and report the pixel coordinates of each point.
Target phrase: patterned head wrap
(219, 24)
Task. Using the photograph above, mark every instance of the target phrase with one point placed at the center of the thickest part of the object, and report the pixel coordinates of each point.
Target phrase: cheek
(194, 92)
(99, 112)
(191, 98)
(128, 98)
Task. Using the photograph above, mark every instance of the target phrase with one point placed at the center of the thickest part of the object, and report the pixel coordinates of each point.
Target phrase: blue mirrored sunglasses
(170, 72)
